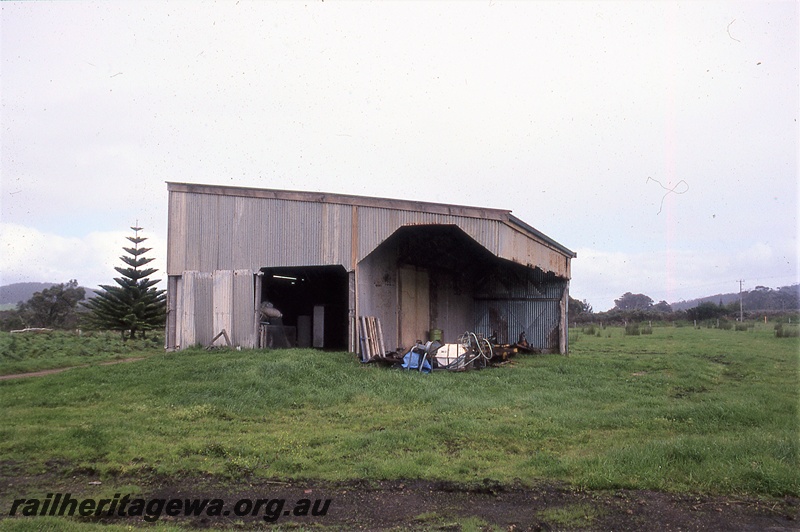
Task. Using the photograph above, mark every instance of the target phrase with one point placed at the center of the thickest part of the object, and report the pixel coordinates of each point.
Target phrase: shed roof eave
(342, 199)
(538, 234)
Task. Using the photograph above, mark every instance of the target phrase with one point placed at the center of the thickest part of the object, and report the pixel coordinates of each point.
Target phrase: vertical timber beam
(354, 294)
(259, 277)
(563, 333)
(172, 312)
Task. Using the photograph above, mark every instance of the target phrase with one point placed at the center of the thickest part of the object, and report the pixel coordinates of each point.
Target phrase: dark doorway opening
(313, 301)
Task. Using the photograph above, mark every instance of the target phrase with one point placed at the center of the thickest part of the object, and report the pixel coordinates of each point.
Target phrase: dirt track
(60, 370)
(422, 505)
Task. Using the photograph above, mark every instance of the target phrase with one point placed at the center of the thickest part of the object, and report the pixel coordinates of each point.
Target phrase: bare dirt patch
(425, 505)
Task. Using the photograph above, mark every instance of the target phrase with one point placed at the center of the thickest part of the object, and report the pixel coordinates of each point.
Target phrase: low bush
(632, 329)
(786, 331)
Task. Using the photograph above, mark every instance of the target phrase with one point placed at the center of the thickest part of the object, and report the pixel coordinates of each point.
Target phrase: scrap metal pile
(470, 351)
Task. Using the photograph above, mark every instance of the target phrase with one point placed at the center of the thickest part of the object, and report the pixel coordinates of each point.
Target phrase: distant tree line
(52, 308)
(631, 307)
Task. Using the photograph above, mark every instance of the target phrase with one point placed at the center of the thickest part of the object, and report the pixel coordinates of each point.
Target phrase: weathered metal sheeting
(540, 320)
(213, 228)
(515, 245)
(208, 303)
(196, 304)
(515, 301)
(223, 305)
(210, 232)
(225, 231)
(376, 225)
(244, 309)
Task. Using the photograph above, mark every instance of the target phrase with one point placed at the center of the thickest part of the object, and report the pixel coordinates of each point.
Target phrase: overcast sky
(658, 140)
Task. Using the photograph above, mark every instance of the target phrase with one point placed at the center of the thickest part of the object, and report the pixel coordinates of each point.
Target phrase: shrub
(647, 329)
(589, 330)
(741, 326)
(786, 331)
(632, 329)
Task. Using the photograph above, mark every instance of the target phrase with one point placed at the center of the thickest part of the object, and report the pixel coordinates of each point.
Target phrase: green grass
(60, 524)
(570, 516)
(27, 352)
(682, 409)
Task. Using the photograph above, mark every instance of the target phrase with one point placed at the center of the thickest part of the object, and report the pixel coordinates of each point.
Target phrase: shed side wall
(212, 232)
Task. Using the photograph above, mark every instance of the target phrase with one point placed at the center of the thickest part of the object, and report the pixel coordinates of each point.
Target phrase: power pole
(741, 311)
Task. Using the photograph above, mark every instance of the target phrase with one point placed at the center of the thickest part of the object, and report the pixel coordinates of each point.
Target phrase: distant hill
(725, 298)
(11, 294)
(760, 298)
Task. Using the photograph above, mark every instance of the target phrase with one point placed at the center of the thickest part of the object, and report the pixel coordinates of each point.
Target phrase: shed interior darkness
(295, 291)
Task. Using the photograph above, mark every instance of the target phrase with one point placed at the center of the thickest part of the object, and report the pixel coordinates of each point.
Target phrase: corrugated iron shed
(356, 242)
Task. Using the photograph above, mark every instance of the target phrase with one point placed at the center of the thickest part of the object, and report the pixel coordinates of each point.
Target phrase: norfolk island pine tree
(134, 305)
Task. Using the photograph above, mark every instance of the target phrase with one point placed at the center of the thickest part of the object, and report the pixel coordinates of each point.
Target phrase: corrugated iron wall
(207, 303)
(244, 308)
(210, 232)
(512, 303)
(225, 229)
(197, 308)
(377, 224)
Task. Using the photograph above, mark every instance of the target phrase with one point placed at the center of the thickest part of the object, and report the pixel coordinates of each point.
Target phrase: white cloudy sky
(577, 116)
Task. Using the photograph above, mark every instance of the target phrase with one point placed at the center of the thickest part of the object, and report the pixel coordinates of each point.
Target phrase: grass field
(28, 352)
(681, 409)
